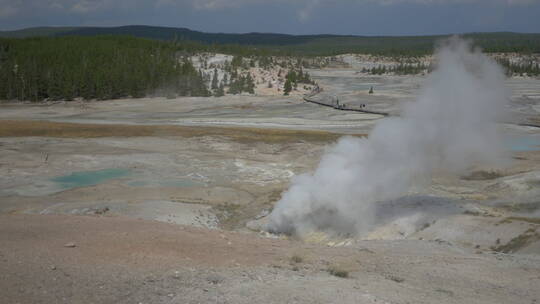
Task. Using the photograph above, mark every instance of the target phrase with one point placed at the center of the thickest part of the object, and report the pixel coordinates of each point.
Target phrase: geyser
(451, 126)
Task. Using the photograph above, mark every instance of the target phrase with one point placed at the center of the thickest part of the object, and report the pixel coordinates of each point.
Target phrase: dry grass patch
(518, 242)
(483, 175)
(338, 271)
(296, 259)
(27, 128)
(530, 220)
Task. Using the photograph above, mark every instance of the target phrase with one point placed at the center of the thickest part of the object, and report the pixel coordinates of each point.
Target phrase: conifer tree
(287, 87)
(215, 80)
(220, 90)
(225, 79)
(249, 84)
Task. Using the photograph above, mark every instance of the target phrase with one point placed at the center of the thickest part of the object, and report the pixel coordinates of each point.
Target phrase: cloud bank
(369, 17)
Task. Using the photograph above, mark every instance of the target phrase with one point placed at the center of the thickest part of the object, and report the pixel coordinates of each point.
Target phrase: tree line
(400, 69)
(104, 67)
(302, 45)
(528, 67)
(109, 67)
(293, 78)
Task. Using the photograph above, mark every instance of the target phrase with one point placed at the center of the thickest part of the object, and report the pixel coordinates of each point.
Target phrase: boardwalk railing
(333, 102)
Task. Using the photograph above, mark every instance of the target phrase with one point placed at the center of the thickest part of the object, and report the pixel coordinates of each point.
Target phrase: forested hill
(168, 33)
(300, 44)
(101, 67)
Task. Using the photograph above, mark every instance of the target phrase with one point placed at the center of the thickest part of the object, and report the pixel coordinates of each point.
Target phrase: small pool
(524, 143)
(90, 178)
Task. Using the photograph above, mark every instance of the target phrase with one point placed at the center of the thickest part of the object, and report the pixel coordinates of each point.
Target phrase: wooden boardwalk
(333, 102)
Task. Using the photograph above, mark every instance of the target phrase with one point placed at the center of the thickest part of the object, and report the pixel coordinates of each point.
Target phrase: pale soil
(268, 112)
(262, 77)
(121, 260)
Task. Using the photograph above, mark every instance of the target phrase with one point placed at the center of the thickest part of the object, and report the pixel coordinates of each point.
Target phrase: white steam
(450, 127)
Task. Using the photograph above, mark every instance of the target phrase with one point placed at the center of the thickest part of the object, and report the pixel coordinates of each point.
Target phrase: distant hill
(300, 44)
(167, 33)
(36, 32)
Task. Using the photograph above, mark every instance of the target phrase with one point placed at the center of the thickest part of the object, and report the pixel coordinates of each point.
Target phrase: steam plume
(449, 127)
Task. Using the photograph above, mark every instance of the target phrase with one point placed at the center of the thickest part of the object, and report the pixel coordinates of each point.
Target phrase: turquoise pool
(524, 143)
(90, 178)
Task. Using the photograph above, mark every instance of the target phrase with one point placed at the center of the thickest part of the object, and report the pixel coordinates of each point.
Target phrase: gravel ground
(82, 259)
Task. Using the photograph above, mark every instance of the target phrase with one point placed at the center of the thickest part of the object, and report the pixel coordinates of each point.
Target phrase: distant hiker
(371, 90)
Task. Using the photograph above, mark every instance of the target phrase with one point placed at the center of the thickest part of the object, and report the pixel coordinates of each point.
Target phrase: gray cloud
(9, 8)
(307, 7)
(309, 4)
(12, 7)
(291, 16)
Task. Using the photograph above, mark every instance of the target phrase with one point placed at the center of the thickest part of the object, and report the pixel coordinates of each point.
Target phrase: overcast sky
(358, 17)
